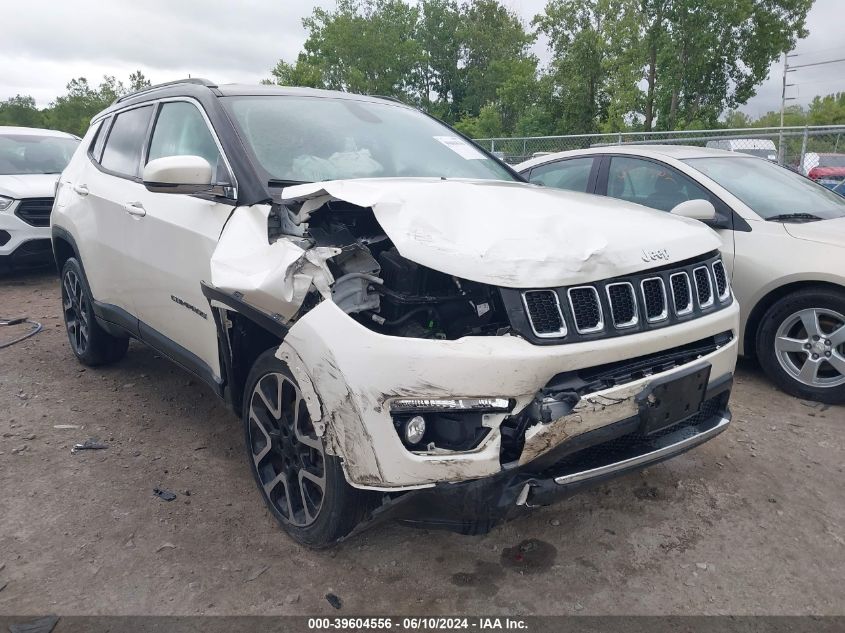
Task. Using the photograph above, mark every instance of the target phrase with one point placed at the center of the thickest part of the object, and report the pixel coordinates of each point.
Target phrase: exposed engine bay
(386, 292)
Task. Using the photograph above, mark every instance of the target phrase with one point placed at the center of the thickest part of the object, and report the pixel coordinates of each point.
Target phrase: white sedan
(783, 240)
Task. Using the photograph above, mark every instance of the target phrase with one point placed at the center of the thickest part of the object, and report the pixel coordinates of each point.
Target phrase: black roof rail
(198, 81)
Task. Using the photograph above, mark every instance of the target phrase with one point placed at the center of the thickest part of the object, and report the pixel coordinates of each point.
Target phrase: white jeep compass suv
(406, 329)
(31, 160)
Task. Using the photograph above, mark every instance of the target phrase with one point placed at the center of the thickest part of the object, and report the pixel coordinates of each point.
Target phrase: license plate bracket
(668, 400)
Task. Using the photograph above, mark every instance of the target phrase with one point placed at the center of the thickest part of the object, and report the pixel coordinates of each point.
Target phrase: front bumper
(22, 242)
(349, 374)
(475, 507)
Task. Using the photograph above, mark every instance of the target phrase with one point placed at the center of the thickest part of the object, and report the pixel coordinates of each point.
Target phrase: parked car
(826, 169)
(401, 323)
(30, 163)
(764, 148)
(783, 243)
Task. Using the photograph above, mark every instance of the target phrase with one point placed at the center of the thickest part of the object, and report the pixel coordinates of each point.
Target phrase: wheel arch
(245, 333)
(64, 247)
(755, 318)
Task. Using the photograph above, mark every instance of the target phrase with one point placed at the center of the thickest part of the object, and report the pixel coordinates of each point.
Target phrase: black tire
(90, 343)
(281, 460)
(796, 348)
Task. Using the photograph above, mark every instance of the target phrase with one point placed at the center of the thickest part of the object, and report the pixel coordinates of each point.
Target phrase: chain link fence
(816, 151)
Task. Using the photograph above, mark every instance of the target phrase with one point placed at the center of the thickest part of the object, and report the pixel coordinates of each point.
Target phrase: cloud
(46, 43)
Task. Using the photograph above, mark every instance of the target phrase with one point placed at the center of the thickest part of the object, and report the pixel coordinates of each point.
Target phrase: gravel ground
(752, 522)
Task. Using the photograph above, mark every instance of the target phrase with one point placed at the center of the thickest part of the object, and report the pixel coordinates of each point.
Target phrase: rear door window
(122, 153)
(572, 174)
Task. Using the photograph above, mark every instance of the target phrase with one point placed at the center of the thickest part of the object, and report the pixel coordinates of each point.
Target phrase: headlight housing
(5, 202)
(447, 405)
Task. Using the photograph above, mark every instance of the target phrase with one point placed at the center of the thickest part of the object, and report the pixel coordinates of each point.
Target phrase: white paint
(356, 371)
(275, 277)
(512, 234)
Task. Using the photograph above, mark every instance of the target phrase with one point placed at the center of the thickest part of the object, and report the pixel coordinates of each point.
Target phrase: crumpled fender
(275, 277)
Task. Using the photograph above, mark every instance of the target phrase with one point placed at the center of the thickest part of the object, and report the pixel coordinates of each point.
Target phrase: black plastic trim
(270, 322)
(181, 356)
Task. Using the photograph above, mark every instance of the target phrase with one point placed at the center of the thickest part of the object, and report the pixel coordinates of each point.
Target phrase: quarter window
(650, 184)
(181, 130)
(100, 139)
(122, 153)
(572, 174)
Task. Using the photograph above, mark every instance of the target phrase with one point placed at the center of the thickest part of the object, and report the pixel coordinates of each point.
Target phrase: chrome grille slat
(721, 277)
(586, 309)
(681, 293)
(623, 304)
(703, 287)
(544, 313)
(654, 299)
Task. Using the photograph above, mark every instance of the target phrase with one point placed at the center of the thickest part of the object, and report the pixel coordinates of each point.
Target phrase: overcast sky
(46, 43)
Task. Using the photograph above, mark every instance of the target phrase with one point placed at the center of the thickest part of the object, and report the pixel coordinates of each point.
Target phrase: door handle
(82, 190)
(135, 208)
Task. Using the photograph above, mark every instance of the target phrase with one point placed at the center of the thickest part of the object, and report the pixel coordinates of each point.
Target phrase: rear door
(109, 179)
(172, 242)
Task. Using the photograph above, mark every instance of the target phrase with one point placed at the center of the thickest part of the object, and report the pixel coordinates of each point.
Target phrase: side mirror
(178, 174)
(696, 209)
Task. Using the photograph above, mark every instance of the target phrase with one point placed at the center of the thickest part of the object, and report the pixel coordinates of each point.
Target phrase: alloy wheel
(75, 305)
(810, 347)
(287, 454)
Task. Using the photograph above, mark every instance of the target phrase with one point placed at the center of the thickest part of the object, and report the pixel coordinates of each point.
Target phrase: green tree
(363, 46)
(21, 110)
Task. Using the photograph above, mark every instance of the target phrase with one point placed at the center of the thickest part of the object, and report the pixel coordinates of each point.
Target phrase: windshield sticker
(460, 147)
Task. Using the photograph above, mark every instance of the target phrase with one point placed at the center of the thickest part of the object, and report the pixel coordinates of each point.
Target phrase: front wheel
(801, 345)
(302, 485)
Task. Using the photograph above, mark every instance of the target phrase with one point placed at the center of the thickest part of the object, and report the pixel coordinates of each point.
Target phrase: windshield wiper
(794, 217)
(279, 182)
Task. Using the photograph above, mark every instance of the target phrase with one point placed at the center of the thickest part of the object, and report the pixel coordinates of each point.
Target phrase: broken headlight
(422, 405)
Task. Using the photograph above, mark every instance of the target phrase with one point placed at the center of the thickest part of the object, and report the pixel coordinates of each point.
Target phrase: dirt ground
(752, 522)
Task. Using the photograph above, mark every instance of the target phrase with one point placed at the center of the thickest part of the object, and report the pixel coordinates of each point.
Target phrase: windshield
(34, 154)
(308, 139)
(770, 190)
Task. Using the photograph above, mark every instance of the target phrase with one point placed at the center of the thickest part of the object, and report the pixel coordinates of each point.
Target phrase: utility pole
(783, 98)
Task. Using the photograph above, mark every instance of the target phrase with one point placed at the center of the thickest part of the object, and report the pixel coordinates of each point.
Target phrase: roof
(678, 152)
(203, 88)
(34, 131)
(242, 90)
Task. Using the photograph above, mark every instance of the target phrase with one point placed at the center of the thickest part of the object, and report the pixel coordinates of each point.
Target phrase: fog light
(414, 429)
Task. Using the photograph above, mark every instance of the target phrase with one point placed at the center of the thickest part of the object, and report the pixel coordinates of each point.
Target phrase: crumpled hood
(514, 234)
(28, 185)
(824, 231)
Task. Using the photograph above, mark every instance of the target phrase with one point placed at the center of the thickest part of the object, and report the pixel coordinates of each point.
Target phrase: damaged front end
(455, 362)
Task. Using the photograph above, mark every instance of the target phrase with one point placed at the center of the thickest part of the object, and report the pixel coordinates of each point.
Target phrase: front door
(172, 243)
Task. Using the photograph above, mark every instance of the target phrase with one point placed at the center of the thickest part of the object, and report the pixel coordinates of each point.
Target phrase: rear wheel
(303, 487)
(90, 343)
(801, 345)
